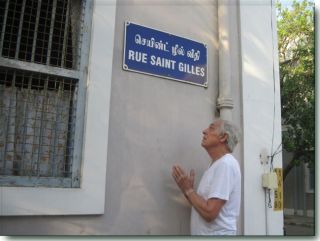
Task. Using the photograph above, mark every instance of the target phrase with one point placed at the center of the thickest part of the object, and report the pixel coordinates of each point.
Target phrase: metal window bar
(12, 28)
(7, 125)
(20, 28)
(53, 160)
(65, 35)
(3, 20)
(58, 33)
(28, 31)
(36, 31)
(43, 32)
(25, 118)
(42, 111)
(53, 16)
(36, 141)
(31, 40)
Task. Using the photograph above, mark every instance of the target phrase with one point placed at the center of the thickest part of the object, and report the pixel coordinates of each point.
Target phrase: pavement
(299, 225)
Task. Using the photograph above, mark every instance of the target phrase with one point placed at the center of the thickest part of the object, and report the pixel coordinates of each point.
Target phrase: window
(41, 93)
(89, 76)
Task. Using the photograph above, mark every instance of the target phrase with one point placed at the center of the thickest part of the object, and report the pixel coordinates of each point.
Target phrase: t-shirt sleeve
(221, 182)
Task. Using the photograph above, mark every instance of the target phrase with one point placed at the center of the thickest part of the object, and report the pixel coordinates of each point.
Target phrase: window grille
(40, 79)
(40, 31)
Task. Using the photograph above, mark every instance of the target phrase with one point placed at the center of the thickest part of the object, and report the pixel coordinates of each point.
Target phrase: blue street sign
(157, 53)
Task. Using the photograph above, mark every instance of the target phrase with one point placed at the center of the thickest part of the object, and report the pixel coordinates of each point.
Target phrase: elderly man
(216, 203)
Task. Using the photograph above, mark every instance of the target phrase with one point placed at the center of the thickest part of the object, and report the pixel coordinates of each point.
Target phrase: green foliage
(297, 80)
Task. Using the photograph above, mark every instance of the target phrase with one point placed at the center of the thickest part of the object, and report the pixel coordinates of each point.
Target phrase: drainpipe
(225, 101)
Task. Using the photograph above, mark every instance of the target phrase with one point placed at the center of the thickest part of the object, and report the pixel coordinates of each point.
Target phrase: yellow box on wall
(278, 192)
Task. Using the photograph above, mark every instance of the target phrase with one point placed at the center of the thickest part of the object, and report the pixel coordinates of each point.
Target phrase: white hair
(233, 133)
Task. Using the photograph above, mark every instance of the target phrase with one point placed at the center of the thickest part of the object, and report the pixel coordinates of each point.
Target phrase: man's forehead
(216, 123)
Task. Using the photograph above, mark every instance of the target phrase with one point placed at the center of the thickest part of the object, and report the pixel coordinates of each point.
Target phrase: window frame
(77, 73)
(97, 71)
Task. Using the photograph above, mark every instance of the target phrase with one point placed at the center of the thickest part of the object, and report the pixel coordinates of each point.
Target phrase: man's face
(211, 135)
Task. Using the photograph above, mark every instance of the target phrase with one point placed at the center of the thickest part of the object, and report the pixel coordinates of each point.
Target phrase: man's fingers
(180, 170)
(179, 175)
(176, 175)
(192, 175)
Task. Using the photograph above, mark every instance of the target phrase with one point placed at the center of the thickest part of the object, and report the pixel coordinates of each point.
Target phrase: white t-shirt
(221, 180)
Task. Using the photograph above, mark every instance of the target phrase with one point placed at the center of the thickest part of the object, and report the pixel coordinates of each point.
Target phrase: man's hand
(208, 209)
(184, 182)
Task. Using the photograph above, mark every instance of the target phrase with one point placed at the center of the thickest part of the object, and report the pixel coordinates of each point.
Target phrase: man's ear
(224, 138)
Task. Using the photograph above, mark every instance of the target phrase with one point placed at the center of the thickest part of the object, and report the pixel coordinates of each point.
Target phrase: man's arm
(208, 209)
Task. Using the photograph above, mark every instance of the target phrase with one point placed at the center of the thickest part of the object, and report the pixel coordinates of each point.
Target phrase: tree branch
(291, 165)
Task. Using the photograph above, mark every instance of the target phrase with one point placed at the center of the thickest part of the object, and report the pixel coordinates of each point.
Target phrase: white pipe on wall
(225, 101)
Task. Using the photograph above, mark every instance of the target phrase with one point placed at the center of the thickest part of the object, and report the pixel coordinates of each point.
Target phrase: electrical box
(270, 180)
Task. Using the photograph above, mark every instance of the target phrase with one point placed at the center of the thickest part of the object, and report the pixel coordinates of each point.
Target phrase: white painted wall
(261, 112)
(156, 123)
